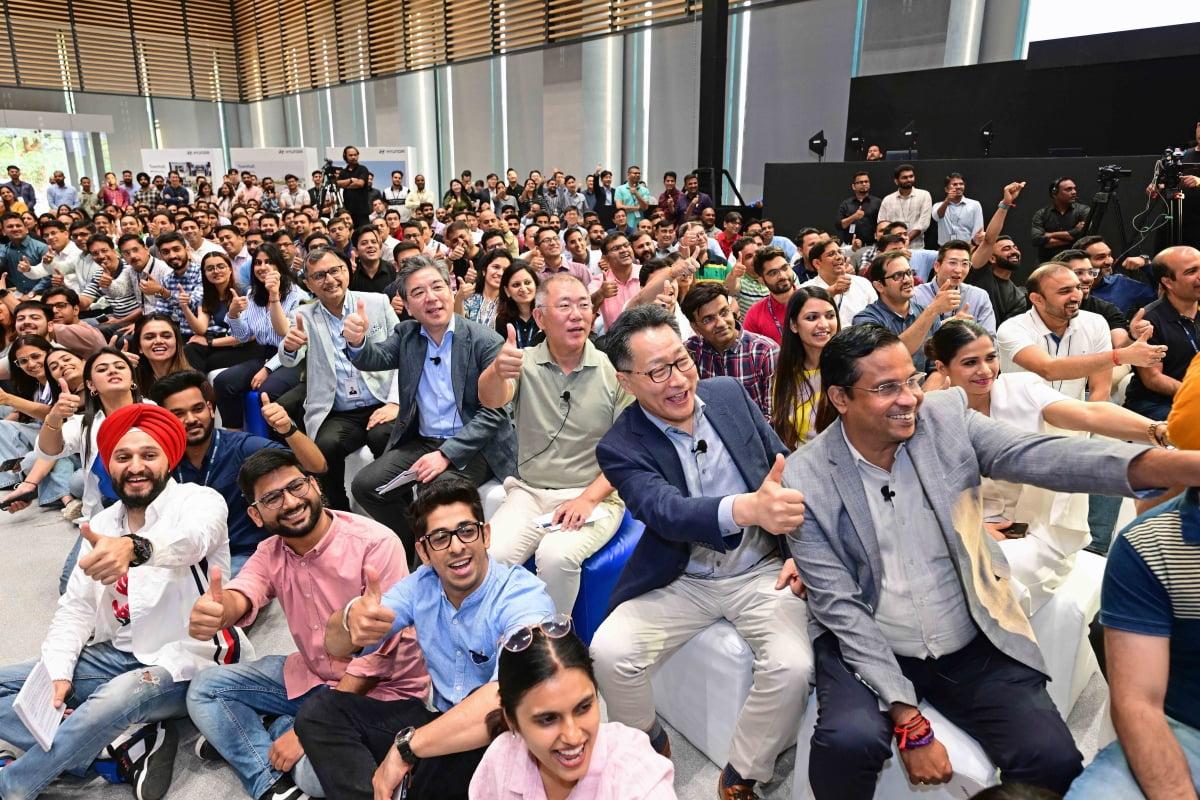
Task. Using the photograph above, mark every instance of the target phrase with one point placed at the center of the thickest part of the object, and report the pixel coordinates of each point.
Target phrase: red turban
(158, 423)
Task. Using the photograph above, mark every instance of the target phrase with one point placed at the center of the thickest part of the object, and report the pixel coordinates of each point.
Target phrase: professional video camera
(1109, 177)
(1169, 169)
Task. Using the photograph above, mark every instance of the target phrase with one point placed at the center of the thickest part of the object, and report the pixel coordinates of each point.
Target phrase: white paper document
(545, 519)
(34, 706)
(408, 476)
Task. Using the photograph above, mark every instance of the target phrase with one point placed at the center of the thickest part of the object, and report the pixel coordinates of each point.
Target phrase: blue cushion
(600, 573)
(252, 408)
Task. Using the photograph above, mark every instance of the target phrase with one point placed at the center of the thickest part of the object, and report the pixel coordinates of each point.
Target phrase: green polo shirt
(556, 437)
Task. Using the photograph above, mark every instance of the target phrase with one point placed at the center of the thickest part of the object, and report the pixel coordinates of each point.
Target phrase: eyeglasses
(440, 539)
(99, 252)
(520, 637)
(566, 307)
(956, 263)
(274, 499)
(319, 277)
(26, 360)
(890, 390)
(216, 268)
(623, 246)
(1092, 273)
(663, 374)
(899, 276)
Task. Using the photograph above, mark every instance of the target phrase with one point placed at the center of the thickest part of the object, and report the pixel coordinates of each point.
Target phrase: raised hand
(109, 558)
(354, 326)
(369, 619)
(274, 414)
(66, 405)
(1012, 191)
(1139, 325)
(208, 610)
(271, 284)
(946, 300)
(185, 299)
(296, 337)
(238, 305)
(24, 265)
(965, 312)
(774, 508)
(510, 358)
(1141, 353)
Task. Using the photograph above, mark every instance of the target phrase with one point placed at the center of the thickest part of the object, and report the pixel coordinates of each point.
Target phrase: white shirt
(186, 525)
(860, 295)
(1086, 333)
(67, 262)
(204, 249)
(915, 211)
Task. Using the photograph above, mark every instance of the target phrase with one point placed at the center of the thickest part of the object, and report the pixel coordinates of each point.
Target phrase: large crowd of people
(876, 460)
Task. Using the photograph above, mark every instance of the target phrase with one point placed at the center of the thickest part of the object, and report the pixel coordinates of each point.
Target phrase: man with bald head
(1177, 270)
(118, 650)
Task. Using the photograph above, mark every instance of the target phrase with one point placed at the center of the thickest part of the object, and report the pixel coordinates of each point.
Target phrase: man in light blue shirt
(958, 217)
(951, 268)
(462, 605)
(59, 193)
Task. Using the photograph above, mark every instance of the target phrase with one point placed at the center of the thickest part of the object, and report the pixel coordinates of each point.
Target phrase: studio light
(818, 143)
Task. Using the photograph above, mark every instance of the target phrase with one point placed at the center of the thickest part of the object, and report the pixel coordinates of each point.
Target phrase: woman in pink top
(552, 744)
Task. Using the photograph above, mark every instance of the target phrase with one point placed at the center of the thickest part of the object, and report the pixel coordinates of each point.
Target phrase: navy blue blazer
(639, 460)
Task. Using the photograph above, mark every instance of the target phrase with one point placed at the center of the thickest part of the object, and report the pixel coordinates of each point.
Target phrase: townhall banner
(382, 161)
(191, 164)
(275, 162)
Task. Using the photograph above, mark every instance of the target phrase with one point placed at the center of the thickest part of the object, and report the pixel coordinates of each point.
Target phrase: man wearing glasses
(460, 603)
(858, 212)
(895, 310)
(909, 594)
(313, 560)
(697, 463)
(344, 408)
(950, 270)
(564, 396)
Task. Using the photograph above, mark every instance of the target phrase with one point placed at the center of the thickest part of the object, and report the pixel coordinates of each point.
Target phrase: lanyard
(212, 459)
(775, 319)
(1187, 331)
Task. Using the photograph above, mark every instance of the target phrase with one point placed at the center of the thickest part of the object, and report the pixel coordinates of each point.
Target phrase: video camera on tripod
(1109, 177)
(330, 199)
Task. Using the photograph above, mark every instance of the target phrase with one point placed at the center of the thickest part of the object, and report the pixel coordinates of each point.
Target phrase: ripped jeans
(111, 691)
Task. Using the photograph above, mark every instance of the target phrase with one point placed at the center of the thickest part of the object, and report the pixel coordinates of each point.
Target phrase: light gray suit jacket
(837, 550)
(318, 354)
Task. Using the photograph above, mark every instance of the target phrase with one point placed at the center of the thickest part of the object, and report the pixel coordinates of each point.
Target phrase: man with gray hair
(565, 396)
(346, 408)
(442, 429)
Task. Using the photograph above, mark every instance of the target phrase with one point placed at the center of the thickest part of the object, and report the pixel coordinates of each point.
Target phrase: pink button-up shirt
(611, 307)
(312, 586)
(623, 767)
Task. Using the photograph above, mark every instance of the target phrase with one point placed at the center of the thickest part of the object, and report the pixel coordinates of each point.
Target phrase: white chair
(701, 689)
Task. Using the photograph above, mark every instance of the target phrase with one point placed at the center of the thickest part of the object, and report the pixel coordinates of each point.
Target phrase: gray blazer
(837, 552)
(319, 356)
(485, 430)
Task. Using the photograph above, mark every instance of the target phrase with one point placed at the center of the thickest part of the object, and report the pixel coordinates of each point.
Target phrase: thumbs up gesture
(209, 610)
(109, 558)
(510, 358)
(354, 327)
(23, 265)
(964, 312)
(65, 406)
(275, 415)
(1139, 325)
(237, 305)
(296, 337)
(1141, 353)
(271, 284)
(773, 507)
(946, 300)
(369, 619)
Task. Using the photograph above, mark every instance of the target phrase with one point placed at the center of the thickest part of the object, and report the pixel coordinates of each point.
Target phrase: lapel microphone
(887, 493)
(701, 447)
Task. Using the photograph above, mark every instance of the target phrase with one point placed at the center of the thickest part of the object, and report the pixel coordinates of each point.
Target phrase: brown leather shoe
(738, 791)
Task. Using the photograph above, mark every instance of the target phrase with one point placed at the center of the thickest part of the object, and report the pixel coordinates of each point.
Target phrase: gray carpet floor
(35, 542)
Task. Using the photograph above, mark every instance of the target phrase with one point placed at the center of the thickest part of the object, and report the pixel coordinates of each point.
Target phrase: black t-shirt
(1181, 336)
(355, 199)
(1191, 205)
(1008, 299)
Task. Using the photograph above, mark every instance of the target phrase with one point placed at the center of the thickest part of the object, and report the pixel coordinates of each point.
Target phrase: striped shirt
(255, 321)
(124, 294)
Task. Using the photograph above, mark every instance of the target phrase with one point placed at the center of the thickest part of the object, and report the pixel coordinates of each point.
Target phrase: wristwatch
(142, 549)
(402, 746)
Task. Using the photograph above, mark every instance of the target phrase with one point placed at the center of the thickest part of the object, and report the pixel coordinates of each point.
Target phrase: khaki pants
(642, 632)
(560, 554)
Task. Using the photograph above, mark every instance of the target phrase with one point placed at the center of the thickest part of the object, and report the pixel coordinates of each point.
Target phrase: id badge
(350, 388)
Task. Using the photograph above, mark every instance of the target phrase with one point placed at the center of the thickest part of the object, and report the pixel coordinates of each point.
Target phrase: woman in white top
(109, 385)
(1057, 522)
(261, 316)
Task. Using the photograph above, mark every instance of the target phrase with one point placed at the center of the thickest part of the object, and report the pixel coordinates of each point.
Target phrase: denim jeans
(69, 565)
(227, 704)
(1109, 775)
(111, 691)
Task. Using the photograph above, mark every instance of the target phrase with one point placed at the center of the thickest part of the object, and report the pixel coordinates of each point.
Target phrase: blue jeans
(227, 704)
(111, 691)
(69, 565)
(1109, 775)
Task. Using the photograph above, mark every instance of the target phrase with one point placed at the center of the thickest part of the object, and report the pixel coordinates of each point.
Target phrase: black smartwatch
(402, 746)
(293, 429)
(142, 549)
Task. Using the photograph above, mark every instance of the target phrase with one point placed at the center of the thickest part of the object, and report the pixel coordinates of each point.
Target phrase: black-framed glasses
(899, 276)
(890, 390)
(520, 637)
(663, 374)
(441, 538)
(319, 277)
(273, 500)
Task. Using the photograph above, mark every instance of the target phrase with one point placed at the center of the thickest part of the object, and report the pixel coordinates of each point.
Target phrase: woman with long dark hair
(556, 747)
(1041, 557)
(481, 301)
(158, 345)
(518, 287)
(456, 198)
(796, 397)
(261, 317)
(213, 346)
